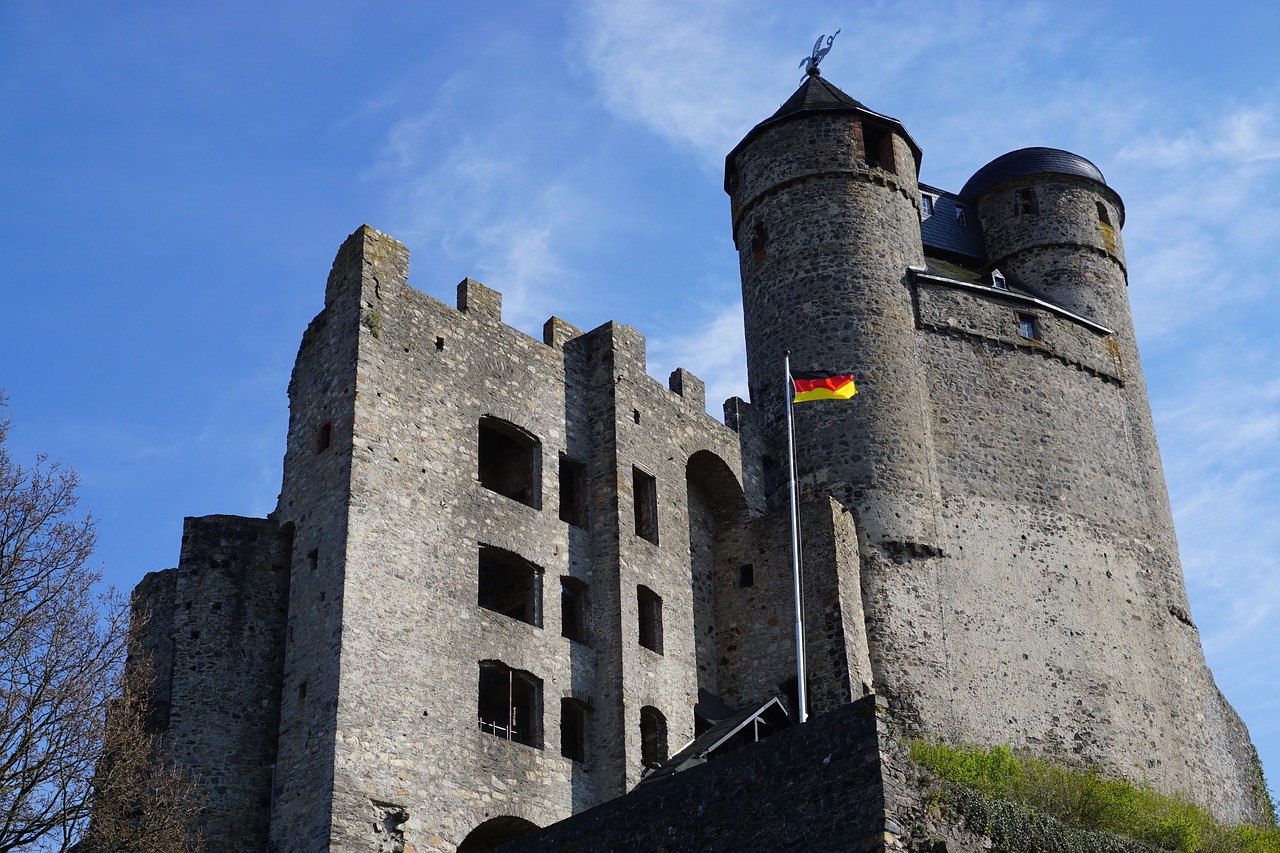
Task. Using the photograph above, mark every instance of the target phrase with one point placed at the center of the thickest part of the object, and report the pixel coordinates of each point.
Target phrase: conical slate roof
(816, 95)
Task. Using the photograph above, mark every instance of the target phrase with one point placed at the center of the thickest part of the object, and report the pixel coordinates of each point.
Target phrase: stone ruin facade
(507, 577)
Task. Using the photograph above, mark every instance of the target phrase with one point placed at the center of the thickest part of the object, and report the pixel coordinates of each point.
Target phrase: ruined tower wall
(408, 757)
(215, 631)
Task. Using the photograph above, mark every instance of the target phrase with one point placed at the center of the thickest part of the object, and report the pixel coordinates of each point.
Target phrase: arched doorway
(495, 831)
(717, 512)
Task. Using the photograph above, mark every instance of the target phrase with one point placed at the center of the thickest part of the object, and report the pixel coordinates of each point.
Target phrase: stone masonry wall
(410, 763)
(838, 783)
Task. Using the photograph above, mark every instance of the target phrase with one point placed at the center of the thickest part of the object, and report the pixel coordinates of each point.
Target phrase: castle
(506, 578)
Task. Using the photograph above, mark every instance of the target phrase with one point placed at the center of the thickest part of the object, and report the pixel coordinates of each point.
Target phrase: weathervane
(810, 63)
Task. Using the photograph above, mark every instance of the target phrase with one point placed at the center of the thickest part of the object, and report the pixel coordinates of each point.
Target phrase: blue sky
(178, 177)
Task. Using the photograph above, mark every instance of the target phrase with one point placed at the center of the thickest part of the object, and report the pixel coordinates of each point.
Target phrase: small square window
(1028, 327)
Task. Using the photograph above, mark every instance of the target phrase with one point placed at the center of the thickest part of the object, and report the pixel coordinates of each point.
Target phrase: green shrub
(1076, 797)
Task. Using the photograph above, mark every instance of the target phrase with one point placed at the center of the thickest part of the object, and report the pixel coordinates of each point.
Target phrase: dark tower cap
(1030, 161)
(816, 96)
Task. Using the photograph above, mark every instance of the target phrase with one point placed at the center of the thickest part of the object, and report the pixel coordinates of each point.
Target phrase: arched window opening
(510, 703)
(653, 737)
(510, 585)
(510, 461)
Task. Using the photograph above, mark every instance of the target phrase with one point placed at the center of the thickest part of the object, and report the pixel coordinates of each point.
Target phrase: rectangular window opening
(510, 461)
(573, 610)
(746, 576)
(644, 494)
(510, 585)
(572, 483)
(313, 559)
(573, 729)
(650, 613)
(324, 436)
(509, 703)
(1028, 327)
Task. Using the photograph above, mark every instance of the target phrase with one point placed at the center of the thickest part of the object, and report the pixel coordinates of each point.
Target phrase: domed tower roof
(817, 96)
(1030, 161)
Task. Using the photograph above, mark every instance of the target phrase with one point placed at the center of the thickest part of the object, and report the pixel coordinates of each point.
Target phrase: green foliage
(983, 782)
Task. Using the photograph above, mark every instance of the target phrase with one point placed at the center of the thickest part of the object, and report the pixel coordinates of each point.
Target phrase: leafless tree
(142, 803)
(62, 650)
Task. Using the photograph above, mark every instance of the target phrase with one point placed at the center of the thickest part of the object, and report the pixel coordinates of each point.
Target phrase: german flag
(820, 385)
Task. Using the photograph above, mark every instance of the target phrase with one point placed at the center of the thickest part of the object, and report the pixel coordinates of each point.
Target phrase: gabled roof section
(946, 233)
(752, 724)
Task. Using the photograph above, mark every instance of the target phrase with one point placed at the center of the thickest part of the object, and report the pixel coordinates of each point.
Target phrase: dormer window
(962, 215)
(997, 280)
(926, 205)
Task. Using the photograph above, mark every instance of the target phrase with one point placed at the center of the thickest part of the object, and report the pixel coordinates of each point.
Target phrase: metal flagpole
(795, 547)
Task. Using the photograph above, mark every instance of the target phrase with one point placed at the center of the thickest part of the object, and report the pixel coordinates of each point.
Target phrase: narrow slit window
(573, 610)
(746, 576)
(509, 703)
(573, 729)
(644, 495)
(572, 482)
(313, 559)
(653, 737)
(510, 461)
(649, 604)
(510, 585)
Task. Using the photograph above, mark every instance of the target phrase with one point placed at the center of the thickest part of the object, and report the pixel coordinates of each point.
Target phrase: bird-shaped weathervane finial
(810, 62)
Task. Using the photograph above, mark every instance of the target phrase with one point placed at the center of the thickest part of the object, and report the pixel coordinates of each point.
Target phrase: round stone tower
(826, 219)
(1052, 225)
(1050, 220)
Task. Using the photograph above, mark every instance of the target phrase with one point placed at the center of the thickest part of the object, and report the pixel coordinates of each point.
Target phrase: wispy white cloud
(714, 350)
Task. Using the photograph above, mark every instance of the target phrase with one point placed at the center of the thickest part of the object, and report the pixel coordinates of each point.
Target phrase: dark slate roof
(943, 232)
(1030, 161)
(772, 713)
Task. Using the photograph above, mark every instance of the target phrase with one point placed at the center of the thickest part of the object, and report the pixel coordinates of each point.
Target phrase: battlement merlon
(367, 261)
(370, 264)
